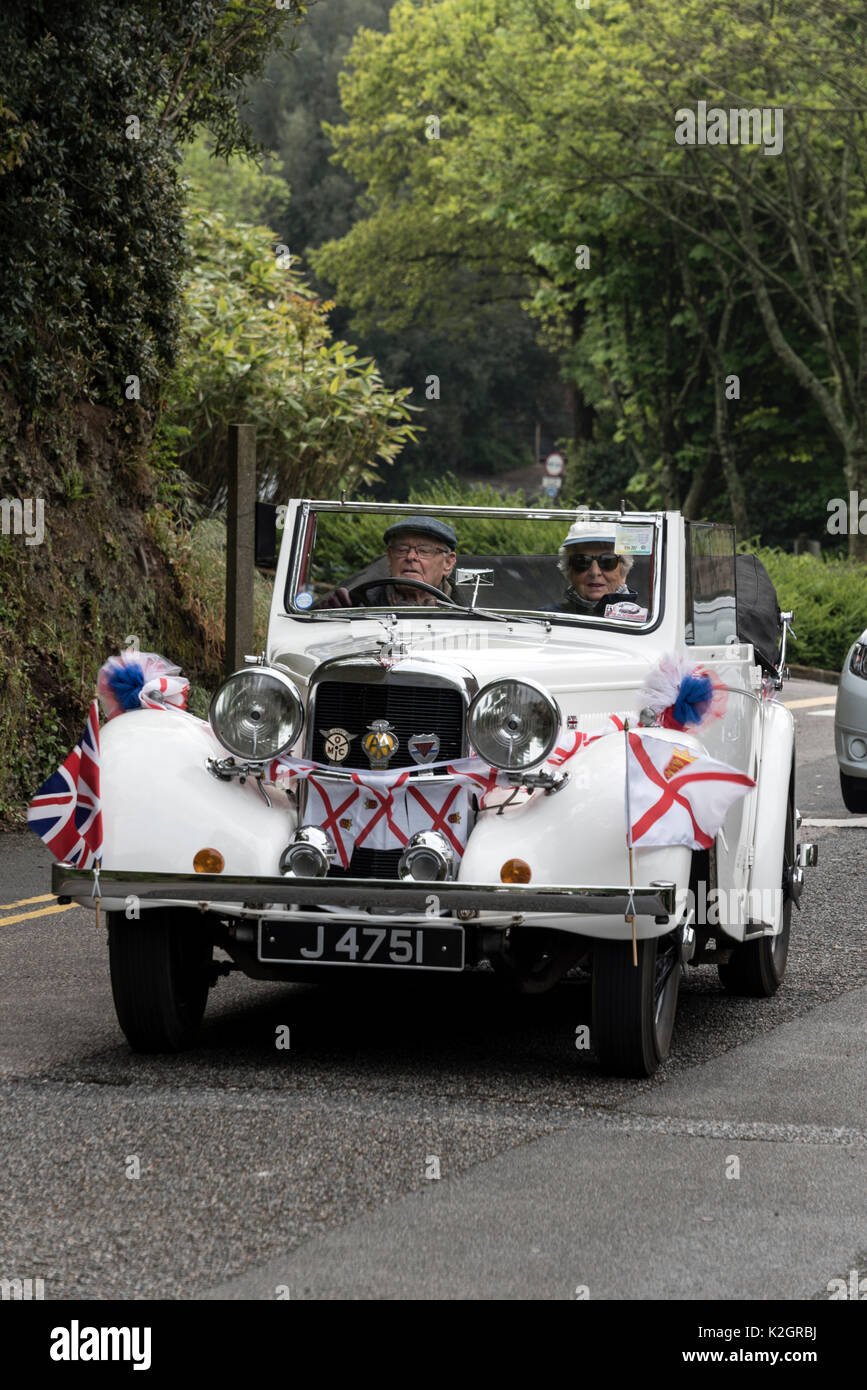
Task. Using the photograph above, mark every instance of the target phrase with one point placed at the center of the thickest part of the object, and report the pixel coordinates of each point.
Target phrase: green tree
(94, 101)
(256, 347)
(557, 129)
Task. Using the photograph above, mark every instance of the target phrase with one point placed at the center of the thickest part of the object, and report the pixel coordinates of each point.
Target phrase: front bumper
(261, 897)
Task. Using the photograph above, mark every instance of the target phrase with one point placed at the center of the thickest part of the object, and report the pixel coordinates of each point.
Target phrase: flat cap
(422, 526)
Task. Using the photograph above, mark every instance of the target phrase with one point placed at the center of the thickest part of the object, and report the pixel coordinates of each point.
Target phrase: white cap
(589, 531)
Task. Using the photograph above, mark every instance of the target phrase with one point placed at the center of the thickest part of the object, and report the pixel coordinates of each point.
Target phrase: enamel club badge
(423, 748)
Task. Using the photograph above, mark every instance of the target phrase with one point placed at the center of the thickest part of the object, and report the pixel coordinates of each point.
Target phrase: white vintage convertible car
(563, 755)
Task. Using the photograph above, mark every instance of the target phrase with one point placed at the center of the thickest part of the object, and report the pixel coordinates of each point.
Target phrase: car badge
(571, 721)
(423, 748)
(380, 743)
(337, 743)
(680, 759)
(454, 818)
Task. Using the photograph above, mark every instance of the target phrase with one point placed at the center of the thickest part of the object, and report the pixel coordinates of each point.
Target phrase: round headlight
(257, 713)
(513, 724)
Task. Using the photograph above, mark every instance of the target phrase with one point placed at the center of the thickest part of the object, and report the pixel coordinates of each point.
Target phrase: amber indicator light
(208, 861)
(516, 871)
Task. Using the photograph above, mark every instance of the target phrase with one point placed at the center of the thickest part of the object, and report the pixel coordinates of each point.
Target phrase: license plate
(335, 943)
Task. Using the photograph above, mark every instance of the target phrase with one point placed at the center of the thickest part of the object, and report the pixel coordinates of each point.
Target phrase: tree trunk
(694, 500)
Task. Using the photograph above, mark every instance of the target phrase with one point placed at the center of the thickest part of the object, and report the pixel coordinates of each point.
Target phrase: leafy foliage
(256, 347)
(91, 236)
(828, 597)
(495, 380)
(557, 130)
(236, 185)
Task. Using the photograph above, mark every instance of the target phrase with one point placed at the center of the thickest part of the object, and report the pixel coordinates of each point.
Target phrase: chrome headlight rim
(552, 708)
(296, 705)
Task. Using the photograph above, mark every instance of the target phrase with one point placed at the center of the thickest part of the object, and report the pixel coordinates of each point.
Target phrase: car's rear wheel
(756, 968)
(160, 975)
(634, 1006)
(854, 791)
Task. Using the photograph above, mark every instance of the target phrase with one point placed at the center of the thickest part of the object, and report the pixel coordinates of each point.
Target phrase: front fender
(578, 835)
(160, 804)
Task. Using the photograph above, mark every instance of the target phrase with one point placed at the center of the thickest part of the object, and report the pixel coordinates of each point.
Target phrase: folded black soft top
(758, 609)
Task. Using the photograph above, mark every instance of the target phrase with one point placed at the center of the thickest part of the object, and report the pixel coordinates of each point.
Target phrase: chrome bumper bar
(77, 885)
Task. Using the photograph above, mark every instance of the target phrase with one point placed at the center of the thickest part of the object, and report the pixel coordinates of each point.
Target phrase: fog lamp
(428, 857)
(516, 871)
(208, 861)
(857, 747)
(309, 854)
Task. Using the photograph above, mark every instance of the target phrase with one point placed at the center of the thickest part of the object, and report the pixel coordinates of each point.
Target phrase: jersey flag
(677, 795)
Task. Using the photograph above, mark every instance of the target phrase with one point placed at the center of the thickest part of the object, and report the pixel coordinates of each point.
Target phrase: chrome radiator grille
(410, 709)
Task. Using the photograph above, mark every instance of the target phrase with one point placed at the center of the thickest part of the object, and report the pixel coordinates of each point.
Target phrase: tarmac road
(302, 1172)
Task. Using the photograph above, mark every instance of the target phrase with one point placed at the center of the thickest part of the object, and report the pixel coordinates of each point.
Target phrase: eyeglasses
(608, 561)
(424, 551)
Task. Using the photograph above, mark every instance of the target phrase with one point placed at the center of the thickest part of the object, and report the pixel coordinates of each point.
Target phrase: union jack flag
(66, 811)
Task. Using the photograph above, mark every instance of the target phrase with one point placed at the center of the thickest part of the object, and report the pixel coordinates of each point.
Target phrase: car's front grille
(409, 709)
(371, 863)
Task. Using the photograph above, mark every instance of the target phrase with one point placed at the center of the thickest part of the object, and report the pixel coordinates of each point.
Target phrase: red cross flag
(381, 814)
(334, 807)
(441, 807)
(676, 795)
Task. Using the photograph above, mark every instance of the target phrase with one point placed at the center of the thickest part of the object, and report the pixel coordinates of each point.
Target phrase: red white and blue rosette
(140, 680)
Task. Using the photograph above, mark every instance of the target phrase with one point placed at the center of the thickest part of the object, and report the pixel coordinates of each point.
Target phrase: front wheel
(160, 975)
(634, 1006)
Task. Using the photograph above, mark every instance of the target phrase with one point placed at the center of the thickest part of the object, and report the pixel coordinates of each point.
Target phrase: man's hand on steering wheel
(339, 598)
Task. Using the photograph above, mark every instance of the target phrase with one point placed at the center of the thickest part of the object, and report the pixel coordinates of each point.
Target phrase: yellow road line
(816, 700)
(22, 902)
(43, 912)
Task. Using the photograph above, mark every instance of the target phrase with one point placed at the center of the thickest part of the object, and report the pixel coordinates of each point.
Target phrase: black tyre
(854, 791)
(756, 968)
(634, 1006)
(160, 975)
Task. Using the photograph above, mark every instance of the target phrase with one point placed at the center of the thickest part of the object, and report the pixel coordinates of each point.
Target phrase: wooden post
(240, 545)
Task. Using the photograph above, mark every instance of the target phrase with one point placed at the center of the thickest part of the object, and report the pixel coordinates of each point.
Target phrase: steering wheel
(405, 583)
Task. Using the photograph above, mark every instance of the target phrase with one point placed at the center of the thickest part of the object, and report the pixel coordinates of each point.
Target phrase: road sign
(555, 465)
(551, 486)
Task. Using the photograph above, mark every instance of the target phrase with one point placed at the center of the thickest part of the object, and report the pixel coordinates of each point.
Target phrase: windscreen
(349, 563)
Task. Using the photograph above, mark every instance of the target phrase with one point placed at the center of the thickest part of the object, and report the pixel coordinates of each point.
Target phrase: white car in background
(850, 726)
(494, 719)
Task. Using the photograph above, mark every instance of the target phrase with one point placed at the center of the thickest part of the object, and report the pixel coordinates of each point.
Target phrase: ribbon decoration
(682, 697)
(401, 806)
(140, 680)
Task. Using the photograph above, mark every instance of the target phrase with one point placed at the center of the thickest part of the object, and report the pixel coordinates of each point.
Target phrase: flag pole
(631, 904)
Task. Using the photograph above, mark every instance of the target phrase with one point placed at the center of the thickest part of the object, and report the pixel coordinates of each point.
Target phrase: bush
(257, 348)
(828, 598)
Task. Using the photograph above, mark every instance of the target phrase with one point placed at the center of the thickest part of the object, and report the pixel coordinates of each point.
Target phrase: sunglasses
(607, 562)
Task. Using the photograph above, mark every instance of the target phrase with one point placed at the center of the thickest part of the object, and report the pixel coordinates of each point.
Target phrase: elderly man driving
(419, 548)
(596, 575)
